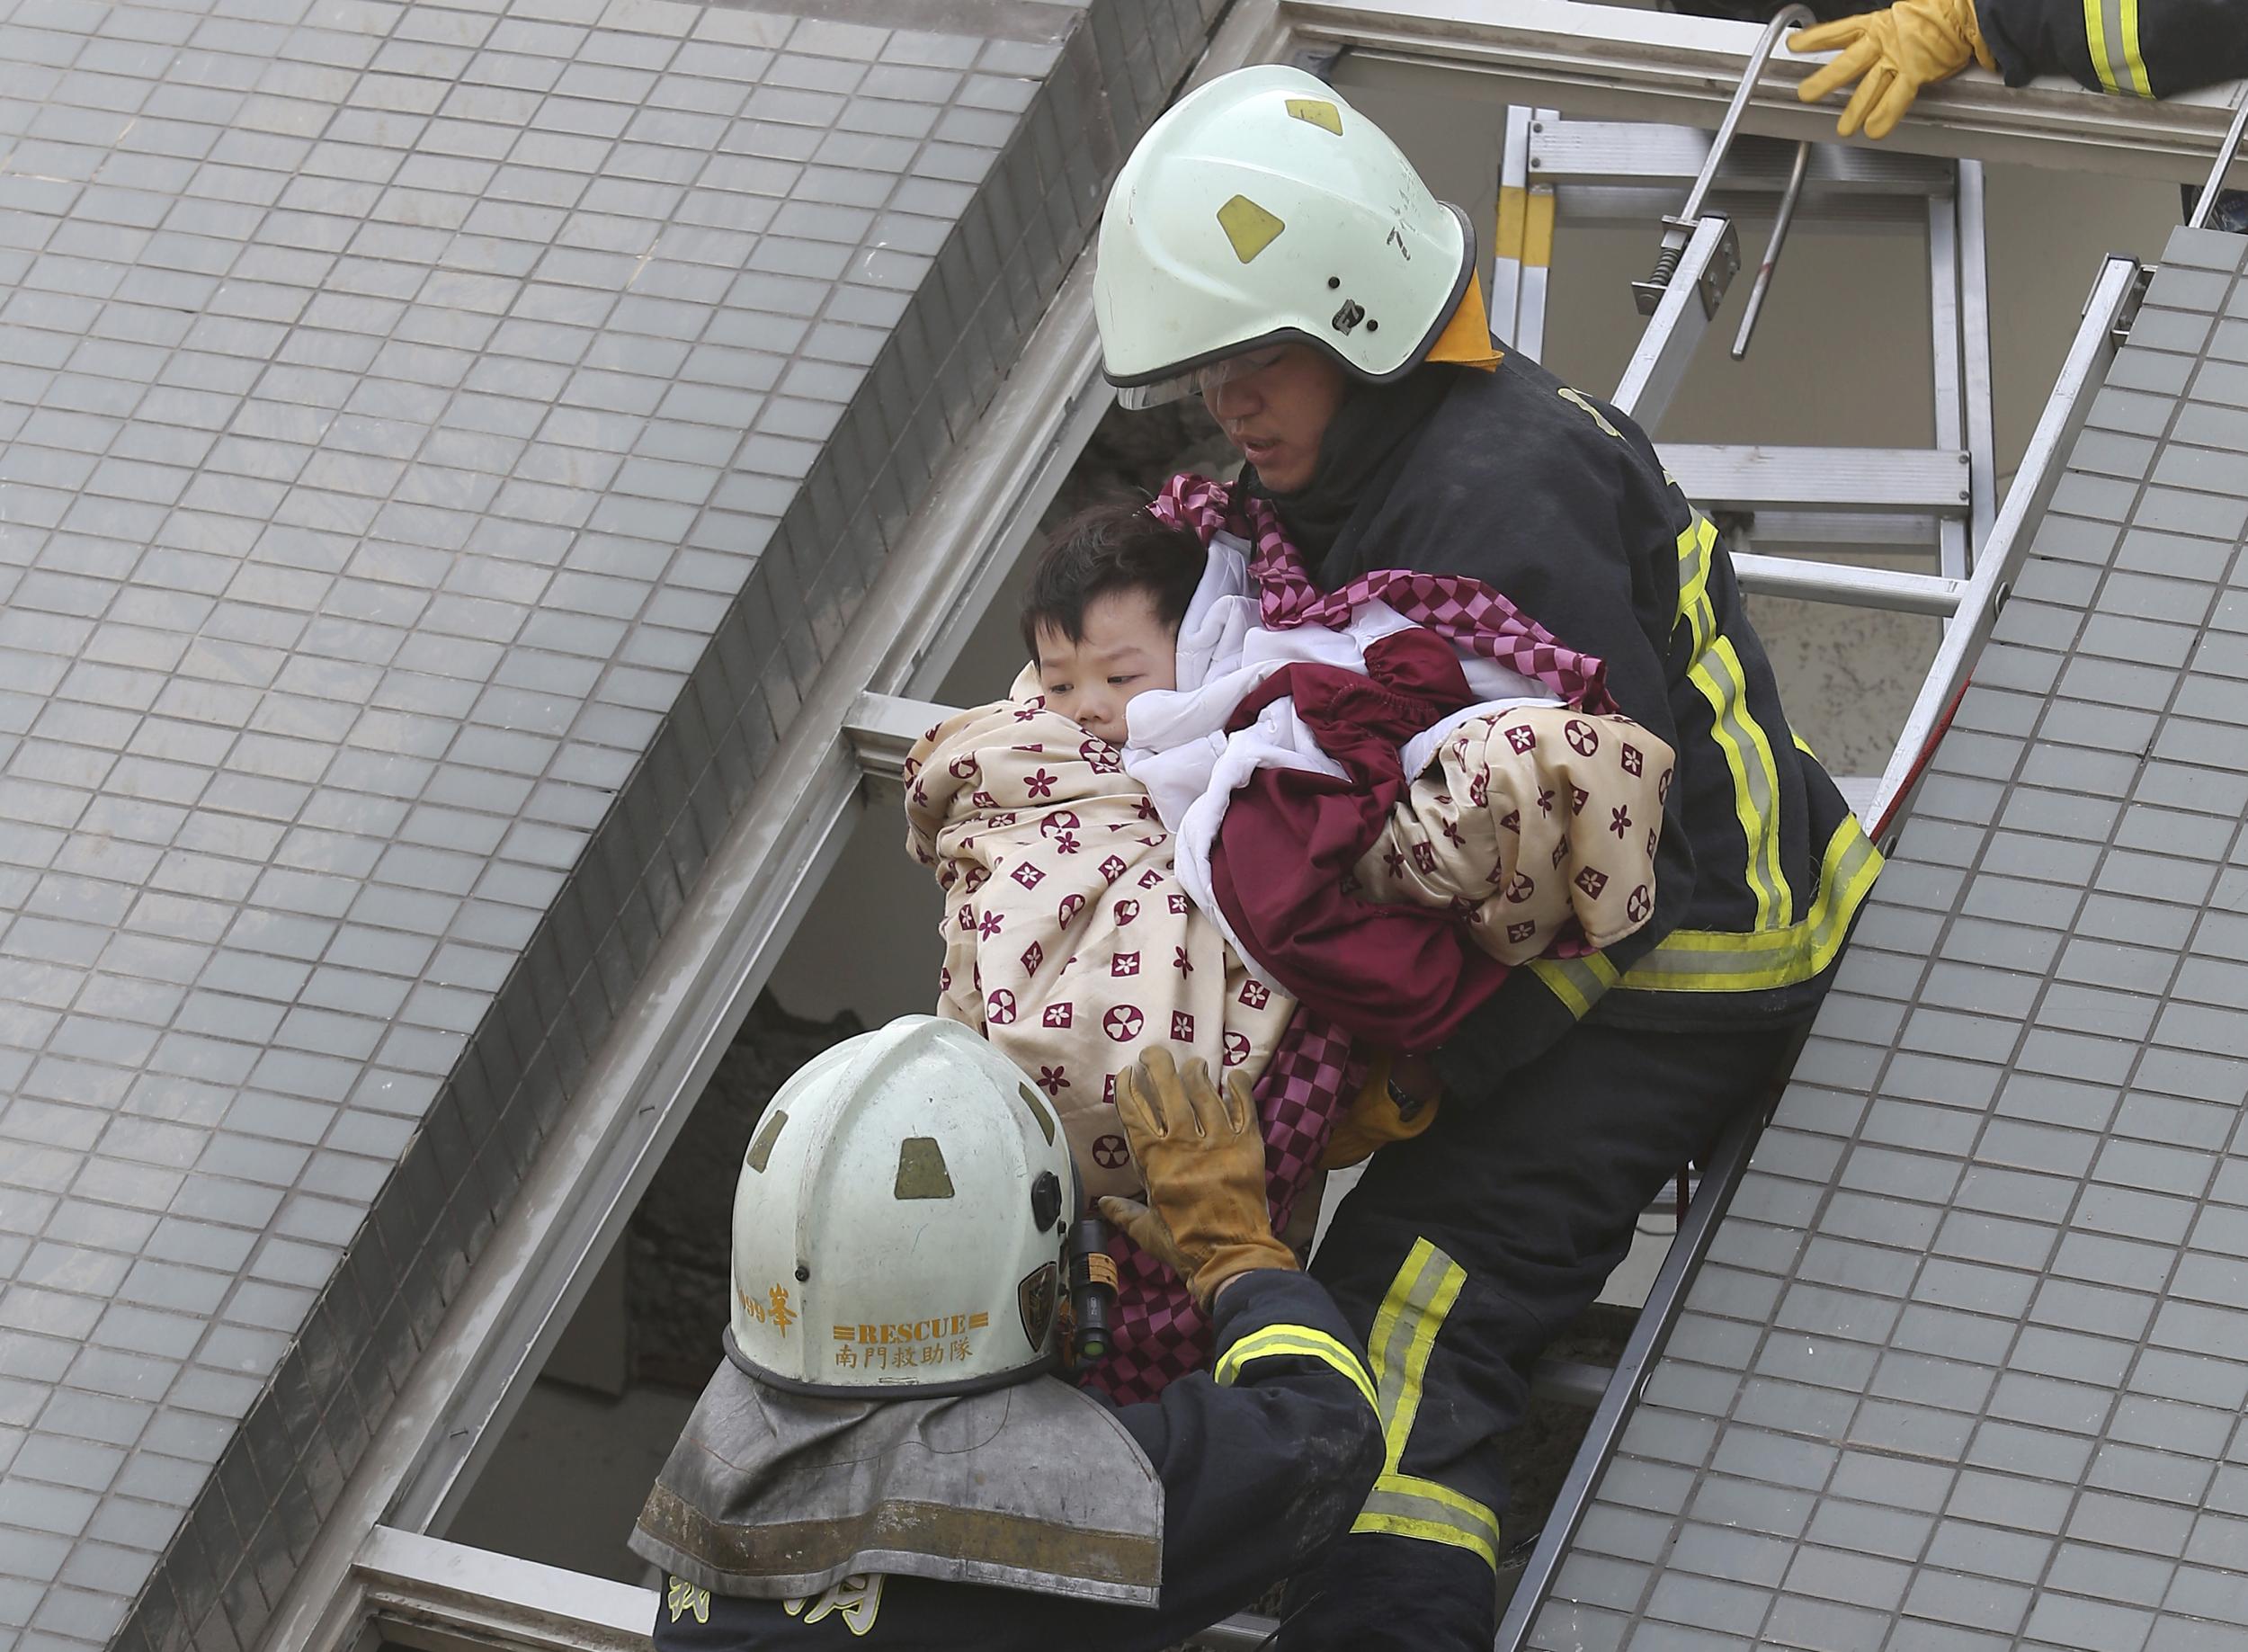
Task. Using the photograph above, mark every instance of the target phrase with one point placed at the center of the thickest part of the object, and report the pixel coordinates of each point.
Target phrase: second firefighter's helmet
(900, 1219)
(1263, 210)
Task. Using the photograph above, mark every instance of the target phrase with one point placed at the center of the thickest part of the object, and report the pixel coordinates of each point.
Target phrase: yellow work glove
(1203, 1156)
(1375, 1119)
(1891, 54)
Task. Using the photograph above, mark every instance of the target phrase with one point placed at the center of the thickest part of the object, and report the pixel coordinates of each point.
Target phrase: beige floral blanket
(1526, 819)
(1068, 940)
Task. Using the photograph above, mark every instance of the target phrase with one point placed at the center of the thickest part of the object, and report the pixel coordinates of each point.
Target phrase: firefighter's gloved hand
(1398, 1102)
(1891, 54)
(1203, 1156)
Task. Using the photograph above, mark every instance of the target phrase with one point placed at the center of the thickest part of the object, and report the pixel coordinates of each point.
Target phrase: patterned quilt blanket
(1070, 944)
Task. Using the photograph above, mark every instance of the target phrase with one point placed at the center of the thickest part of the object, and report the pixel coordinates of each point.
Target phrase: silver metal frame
(1943, 301)
(436, 1596)
(1678, 230)
(2226, 155)
(1975, 328)
(1674, 332)
(2042, 462)
(1847, 586)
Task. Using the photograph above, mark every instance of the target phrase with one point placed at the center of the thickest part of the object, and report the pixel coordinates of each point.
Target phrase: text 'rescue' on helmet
(1263, 209)
(900, 1219)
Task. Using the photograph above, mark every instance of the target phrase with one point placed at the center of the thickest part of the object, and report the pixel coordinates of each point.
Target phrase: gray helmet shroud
(1034, 1485)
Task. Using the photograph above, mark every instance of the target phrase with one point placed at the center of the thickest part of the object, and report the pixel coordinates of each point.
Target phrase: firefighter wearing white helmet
(880, 1456)
(1578, 1088)
(1264, 211)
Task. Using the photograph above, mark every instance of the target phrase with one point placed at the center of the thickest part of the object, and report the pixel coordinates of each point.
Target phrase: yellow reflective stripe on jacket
(1577, 982)
(1751, 960)
(1724, 683)
(1717, 674)
(1781, 950)
(1694, 545)
(1299, 1342)
(2112, 36)
(1404, 1505)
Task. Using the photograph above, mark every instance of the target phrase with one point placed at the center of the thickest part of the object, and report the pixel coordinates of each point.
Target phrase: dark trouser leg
(1459, 1256)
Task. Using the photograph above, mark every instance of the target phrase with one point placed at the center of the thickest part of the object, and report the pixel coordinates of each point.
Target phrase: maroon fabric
(1158, 1334)
(1397, 975)
(1465, 612)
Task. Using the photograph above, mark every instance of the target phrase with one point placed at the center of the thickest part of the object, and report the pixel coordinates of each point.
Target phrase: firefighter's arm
(2154, 49)
(1266, 1457)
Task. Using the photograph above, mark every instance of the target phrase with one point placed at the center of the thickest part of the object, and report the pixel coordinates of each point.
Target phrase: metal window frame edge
(435, 1596)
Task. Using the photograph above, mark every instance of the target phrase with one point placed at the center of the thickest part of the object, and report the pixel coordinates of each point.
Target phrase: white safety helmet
(1263, 210)
(900, 1219)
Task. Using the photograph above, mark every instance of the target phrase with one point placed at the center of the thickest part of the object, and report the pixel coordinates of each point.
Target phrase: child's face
(1126, 650)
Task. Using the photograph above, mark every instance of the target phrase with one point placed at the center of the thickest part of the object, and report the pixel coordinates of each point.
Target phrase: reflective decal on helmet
(761, 1150)
(922, 1172)
(1318, 112)
(1038, 1110)
(1248, 226)
(1035, 1298)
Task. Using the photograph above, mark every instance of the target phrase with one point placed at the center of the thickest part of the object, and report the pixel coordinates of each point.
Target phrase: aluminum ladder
(1556, 171)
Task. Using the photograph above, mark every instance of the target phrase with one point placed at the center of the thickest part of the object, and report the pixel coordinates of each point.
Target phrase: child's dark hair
(1107, 549)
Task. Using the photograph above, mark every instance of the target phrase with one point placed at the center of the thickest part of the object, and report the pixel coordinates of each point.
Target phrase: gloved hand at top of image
(1203, 1156)
(1891, 54)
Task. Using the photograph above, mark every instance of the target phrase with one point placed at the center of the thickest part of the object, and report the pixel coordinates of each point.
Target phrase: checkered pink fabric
(1464, 611)
(1159, 1334)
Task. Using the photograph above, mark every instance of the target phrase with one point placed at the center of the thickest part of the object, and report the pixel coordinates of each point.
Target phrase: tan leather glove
(1891, 54)
(1203, 1156)
(1376, 1118)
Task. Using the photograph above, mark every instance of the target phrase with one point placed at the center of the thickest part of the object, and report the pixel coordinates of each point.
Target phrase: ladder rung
(1628, 153)
(1243, 1630)
(1890, 589)
(1573, 1382)
(1751, 477)
(1916, 529)
(1606, 206)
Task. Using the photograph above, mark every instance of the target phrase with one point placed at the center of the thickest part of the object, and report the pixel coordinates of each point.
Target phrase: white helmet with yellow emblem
(1263, 210)
(900, 1220)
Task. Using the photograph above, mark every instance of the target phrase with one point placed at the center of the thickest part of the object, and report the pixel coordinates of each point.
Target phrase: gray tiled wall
(1965, 1366)
(441, 443)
